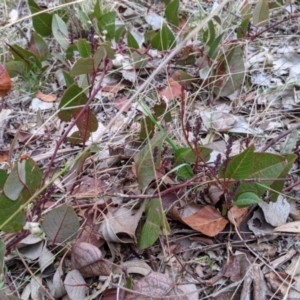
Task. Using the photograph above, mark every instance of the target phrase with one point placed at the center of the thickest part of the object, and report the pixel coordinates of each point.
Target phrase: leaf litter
(128, 213)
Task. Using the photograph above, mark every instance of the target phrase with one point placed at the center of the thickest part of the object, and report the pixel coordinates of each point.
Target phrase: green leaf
(261, 13)
(145, 163)
(84, 48)
(97, 9)
(30, 174)
(83, 66)
(119, 33)
(230, 72)
(99, 57)
(60, 31)
(147, 128)
(187, 155)
(171, 13)
(69, 79)
(164, 39)
(73, 97)
(33, 179)
(3, 178)
(277, 186)
(61, 224)
(211, 32)
(106, 25)
(185, 171)
(215, 46)
(15, 68)
(38, 46)
(156, 223)
(246, 199)
(7, 208)
(41, 22)
(239, 166)
(71, 51)
(2, 255)
(131, 41)
(87, 122)
(16, 181)
(264, 166)
(31, 61)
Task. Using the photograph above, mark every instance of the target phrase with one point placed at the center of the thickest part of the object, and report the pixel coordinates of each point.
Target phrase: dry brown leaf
(114, 87)
(237, 214)
(276, 284)
(5, 81)
(121, 221)
(155, 286)
(289, 227)
(3, 156)
(206, 220)
(88, 260)
(173, 90)
(44, 97)
(89, 187)
(75, 285)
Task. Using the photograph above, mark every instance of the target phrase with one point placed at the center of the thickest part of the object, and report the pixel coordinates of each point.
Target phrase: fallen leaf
(289, 227)
(5, 81)
(173, 90)
(44, 97)
(75, 285)
(206, 220)
(237, 214)
(88, 260)
(155, 286)
(120, 224)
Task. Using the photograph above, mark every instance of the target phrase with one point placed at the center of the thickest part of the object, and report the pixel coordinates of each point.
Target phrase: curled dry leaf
(88, 260)
(44, 97)
(155, 286)
(5, 81)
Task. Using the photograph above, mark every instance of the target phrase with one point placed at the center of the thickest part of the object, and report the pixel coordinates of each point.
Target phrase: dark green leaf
(145, 163)
(131, 42)
(84, 48)
(106, 24)
(164, 39)
(171, 13)
(155, 224)
(69, 79)
(41, 22)
(239, 166)
(83, 66)
(73, 97)
(278, 185)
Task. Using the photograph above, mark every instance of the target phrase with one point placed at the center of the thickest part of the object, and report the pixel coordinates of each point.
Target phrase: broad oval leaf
(41, 22)
(83, 66)
(61, 224)
(261, 13)
(60, 31)
(16, 181)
